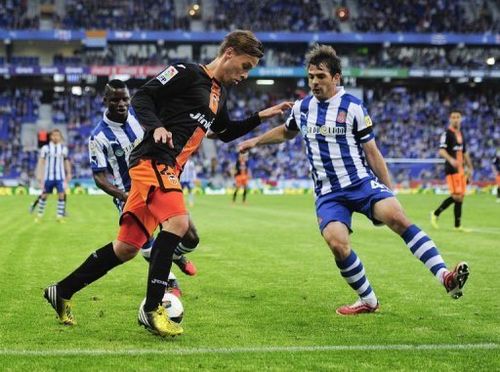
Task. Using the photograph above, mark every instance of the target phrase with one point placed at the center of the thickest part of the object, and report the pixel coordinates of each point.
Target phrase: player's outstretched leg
(93, 268)
(423, 248)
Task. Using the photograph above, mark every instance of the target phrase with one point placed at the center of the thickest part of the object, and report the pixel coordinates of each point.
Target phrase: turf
(265, 295)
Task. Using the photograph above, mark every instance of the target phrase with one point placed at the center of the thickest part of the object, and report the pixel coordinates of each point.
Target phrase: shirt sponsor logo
(325, 130)
(200, 118)
(167, 74)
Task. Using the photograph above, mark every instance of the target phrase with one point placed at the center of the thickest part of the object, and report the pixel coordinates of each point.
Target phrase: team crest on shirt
(173, 179)
(119, 152)
(167, 74)
(341, 116)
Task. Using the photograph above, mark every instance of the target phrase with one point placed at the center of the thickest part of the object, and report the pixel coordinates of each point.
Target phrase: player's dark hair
(117, 84)
(243, 42)
(455, 110)
(112, 85)
(324, 54)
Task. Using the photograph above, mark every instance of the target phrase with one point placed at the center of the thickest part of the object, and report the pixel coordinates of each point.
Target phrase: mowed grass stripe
(238, 350)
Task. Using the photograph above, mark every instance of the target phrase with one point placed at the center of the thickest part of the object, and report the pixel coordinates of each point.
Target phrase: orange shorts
(155, 196)
(456, 183)
(241, 180)
(498, 180)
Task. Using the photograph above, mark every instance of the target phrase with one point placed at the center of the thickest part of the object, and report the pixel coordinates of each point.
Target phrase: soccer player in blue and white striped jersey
(350, 175)
(54, 171)
(187, 179)
(110, 145)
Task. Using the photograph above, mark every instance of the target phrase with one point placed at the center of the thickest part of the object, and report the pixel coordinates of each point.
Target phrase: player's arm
(39, 171)
(469, 168)
(40, 167)
(377, 163)
(276, 135)
(228, 130)
(98, 164)
(146, 101)
(67, 168)
(101, 181)
(363, 133)
(443, 145)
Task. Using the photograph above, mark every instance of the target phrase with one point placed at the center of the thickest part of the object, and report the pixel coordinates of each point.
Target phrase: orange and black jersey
(187, 101)
(241, 167)
(454, 144)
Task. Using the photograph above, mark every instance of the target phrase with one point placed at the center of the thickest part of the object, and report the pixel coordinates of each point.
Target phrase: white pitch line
(243, 350)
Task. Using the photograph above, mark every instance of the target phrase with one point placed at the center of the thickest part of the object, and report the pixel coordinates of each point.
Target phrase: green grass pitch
(265, 295)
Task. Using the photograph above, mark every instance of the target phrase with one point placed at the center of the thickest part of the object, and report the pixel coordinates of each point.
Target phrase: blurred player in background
(350, 175)
(110, 145)
(188, 176)
(453, 149)
(495, 164)
(241, 176)
(177, 108)
(53, 171)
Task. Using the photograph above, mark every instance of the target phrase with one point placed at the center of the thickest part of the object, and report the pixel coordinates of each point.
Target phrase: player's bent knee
(124, 251)
(177, 225)
(191, 238)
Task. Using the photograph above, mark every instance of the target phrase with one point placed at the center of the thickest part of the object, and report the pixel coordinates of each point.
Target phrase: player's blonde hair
(324, 54)
(242, 42)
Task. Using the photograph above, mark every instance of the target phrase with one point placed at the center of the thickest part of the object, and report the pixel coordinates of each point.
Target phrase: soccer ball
(174, 307)
(172, 304)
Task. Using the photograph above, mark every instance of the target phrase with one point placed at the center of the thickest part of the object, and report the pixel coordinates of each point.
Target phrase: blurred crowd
(275, 55)
(464, 16)
(407, 124)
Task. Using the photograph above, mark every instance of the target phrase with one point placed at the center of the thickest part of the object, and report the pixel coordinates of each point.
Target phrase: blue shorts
(48, 187)
(187, 185)
(340, 205)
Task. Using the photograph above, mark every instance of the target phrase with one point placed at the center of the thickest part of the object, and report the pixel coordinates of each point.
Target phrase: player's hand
(161, 135)
(453, 163)
(275, 110)
(247, 145)
(124, 196)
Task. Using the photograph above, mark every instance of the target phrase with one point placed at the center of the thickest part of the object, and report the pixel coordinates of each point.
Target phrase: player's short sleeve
(65, 152)
(363, 130)
(291, 121)
(44, 151)
(97, 156)
(443, 140)
(464, 144)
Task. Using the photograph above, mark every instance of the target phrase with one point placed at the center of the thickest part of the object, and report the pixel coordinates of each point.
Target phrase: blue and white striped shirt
(188, 172)
(54, 155)
(110, 145)
(333, 131)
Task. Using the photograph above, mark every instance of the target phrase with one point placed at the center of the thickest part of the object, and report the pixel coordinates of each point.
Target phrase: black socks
(94, 267)
(458, 214)
(445, 204)
(159, 268)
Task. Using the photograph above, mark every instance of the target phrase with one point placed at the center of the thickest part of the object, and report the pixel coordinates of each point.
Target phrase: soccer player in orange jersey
(458, 169)
(241, 176)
